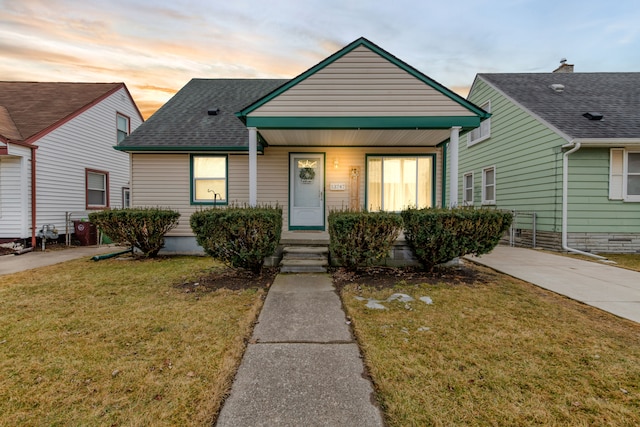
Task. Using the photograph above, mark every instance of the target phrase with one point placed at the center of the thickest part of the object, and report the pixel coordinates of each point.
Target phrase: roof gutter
(574, 146)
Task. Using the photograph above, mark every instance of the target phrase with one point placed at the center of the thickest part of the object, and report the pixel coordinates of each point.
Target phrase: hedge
(358, 238)
(142, 228)
(239, 236)
(437, 236)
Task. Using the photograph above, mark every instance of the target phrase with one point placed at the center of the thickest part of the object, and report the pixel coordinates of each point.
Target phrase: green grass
(115, 343)
(500, 352)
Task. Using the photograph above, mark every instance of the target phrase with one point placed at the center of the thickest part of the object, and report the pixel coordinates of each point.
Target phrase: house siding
(527, 160)
(84, 142)
(361, 84)
(15, 193)
(164, 179)
(527, 156)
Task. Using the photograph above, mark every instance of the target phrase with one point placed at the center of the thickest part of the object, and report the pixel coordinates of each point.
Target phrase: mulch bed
(235, 279)
(386, 277)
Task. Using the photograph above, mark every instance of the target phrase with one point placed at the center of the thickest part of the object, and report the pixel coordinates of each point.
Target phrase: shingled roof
(184, 122)
(614, 95)
(29, 108)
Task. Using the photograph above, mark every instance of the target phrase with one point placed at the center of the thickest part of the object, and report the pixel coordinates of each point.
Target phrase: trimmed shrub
(142, 228)
(361, 238)
(239, 236)
(440, 235)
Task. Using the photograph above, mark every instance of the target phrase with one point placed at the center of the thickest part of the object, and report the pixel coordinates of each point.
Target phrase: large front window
(209, 179)
(395, 183)
(633, 176)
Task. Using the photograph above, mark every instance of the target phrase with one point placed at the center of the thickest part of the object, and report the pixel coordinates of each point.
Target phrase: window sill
(478, 141)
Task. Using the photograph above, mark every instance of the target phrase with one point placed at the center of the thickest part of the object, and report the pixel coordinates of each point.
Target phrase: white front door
(306, 191)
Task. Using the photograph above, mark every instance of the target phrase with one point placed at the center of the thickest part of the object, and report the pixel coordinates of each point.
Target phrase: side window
(208, 180)
(126, 197)
(467, 189)
(632, 179)
(489, 186)
(123, 125)
(97, 189)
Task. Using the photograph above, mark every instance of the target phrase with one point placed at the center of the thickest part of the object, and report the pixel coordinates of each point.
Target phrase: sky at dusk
(156, 47)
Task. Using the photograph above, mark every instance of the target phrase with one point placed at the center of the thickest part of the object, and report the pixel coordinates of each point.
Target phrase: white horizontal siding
(85, 142)
(15, 194)
(361, 83)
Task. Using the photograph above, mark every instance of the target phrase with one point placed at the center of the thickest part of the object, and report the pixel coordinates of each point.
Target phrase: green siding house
(564, 146)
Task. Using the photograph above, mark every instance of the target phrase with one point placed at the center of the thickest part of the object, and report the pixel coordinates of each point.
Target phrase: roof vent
(213, 111)
(593, 115)
(557, 87)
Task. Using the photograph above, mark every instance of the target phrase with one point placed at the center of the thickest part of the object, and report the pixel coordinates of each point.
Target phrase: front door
(306, 191)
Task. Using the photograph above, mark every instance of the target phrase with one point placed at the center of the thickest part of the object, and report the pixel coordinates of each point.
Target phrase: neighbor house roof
(185, 123)
(30, 109)
(562, 99)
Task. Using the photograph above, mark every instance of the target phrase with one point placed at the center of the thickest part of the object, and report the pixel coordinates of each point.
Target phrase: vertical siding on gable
(86, 141)
(527, 157)
(361, 83)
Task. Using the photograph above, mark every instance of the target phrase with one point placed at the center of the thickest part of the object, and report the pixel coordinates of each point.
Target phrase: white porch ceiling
(355, 137)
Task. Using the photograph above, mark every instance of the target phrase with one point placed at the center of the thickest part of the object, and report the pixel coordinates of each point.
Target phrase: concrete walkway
(604, 286)
(302, 367)
(15, 263)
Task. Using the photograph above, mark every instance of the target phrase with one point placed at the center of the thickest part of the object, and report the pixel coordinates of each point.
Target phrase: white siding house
(68, 149)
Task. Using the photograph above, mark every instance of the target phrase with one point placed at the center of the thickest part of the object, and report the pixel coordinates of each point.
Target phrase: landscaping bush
(440, 235)
(142, 228)
(239, 236)
(361, 238)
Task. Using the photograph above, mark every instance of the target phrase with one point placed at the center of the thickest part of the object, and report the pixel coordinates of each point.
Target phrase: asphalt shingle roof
(183, 122)
(615, 95)
(27, 108)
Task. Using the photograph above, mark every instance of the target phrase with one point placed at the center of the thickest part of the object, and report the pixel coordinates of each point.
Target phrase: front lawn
(120, 342)
(492, 350)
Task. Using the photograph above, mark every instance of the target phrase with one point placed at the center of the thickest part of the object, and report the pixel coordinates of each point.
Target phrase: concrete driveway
(15, 263)
(604, 286)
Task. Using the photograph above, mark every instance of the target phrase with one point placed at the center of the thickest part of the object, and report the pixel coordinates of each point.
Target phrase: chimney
(564, 67)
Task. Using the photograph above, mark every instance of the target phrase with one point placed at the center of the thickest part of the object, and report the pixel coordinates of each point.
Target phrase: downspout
(33, 196)
(575, 146)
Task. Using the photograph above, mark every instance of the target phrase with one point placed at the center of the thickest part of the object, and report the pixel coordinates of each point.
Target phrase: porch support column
(253, 166)
(453, 171)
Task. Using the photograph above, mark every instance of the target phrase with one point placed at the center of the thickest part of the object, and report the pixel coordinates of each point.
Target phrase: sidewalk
(15, 263)
(607, 287)
(302, 366)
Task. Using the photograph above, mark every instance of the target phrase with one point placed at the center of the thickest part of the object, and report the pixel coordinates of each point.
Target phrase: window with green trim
(395, 183)
(209, 179)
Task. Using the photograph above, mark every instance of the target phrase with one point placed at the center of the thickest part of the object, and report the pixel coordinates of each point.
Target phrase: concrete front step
(288, 265)
(305, 250)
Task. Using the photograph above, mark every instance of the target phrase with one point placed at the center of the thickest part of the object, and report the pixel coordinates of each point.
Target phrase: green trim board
(405, 122)
(433, 173)
(479, 112)
(192, 200)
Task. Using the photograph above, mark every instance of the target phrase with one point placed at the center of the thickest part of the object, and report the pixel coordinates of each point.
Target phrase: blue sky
(155, 47)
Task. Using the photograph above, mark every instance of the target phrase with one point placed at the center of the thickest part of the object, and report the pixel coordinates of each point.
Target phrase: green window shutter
(616, 174)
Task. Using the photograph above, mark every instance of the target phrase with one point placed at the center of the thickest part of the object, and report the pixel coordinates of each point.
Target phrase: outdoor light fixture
(335, 163)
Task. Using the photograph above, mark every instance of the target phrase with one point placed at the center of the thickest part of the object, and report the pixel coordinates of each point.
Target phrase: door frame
(324, 192)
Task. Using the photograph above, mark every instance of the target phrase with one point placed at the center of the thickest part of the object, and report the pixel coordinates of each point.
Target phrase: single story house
(564, 146)
(57, 156)
(360, 129)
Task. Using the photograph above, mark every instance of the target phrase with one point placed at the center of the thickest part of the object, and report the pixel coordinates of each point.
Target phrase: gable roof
(614, 95)
(183, 123)
(361, 42)
(28, 110)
